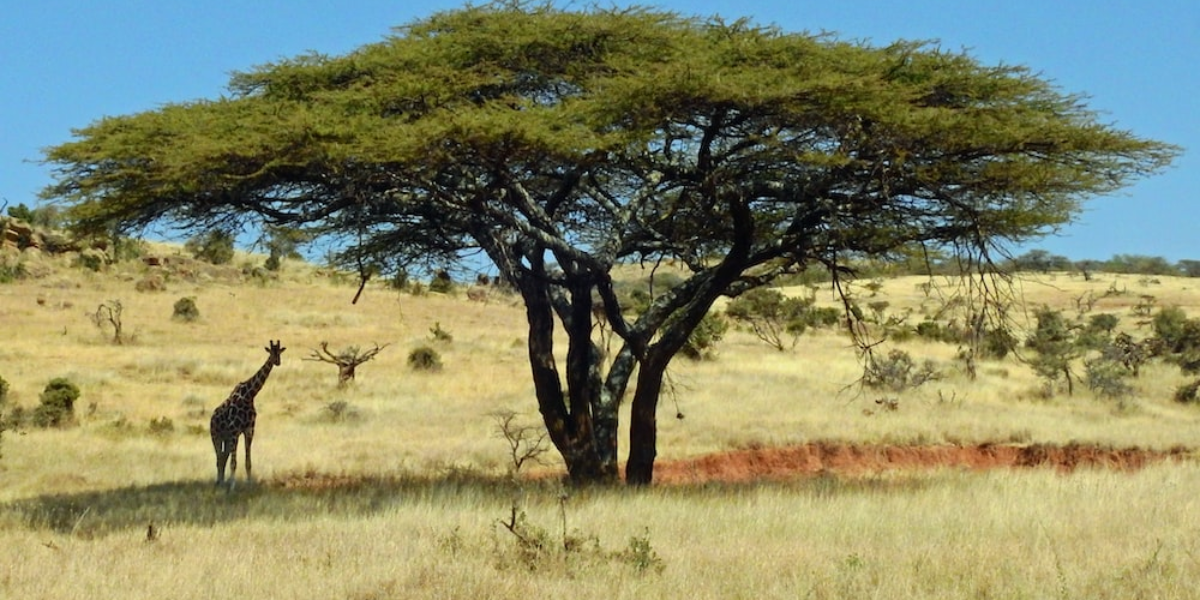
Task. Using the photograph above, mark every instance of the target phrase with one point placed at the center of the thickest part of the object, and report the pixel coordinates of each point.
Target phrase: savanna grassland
(397, 485)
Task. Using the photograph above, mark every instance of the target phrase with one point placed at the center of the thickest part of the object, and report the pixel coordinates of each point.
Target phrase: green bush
(92, 260)
(1187, 393)
(701, 344)
(1178, 337)
(898, 372)
(57, 408)
(441, 283)
(771, 315)
(425, 358)
(1107, 379)
(162, 426)
(215, 247)
(186, 310)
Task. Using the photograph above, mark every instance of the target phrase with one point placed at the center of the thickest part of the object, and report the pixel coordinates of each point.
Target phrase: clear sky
(64, 64)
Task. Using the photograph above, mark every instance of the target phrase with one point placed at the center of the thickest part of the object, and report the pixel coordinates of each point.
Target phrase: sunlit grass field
(396, 486)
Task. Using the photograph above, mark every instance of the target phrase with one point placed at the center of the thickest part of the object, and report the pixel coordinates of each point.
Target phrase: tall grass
(1032, 534)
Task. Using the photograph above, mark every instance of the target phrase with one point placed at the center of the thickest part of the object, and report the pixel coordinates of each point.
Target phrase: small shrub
(824, 316)
(340, 411)
(57, 408)
(4, 387)
(1187, 393)
(997, 343)
(641, 556)
(898, 372)
(1106, 379)
(10, 273)
(92, 260)
(151, 283)
(162, 426)
(425, 358)
(17, 418)
(441, 283)
(185, 310)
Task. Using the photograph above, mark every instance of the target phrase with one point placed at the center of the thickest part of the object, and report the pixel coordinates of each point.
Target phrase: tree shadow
(94, 514)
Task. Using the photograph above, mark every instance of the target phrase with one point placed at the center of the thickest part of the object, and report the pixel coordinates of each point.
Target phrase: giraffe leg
(222, 457)
(249, 440)
(232, 447)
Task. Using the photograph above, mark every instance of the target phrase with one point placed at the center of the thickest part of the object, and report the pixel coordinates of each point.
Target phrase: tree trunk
(580, 417)
(643, 426)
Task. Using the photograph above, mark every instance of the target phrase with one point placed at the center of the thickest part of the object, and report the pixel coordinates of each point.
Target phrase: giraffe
(236, 417)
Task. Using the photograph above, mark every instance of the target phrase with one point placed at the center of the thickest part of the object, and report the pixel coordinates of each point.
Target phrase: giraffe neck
(251, 386)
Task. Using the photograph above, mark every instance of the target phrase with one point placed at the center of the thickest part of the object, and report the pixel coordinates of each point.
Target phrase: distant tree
(560, 144)
(1188, 267)
(214, 246)
(774, 318)
(1041, 261)
(1089, 267)
(1140, 265)
(281, 243)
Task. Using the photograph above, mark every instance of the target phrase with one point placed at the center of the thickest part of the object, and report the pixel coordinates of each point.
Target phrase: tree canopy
(561, 143)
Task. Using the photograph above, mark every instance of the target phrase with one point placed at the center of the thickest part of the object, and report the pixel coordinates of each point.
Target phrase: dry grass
(402, 519)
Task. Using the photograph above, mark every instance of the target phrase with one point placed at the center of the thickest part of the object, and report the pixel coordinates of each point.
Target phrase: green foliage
(425, 358)
(12, 269)
(1188, 393)
(44, 217)
(776, 319)
(898, 372)
(1054, 341)
(21, 212)
(640, 555)
(442, 283)
(1188, 267)
(702, 343)
(57, 407)
(185, 310)
(92, 260)
(283, 242)
(1041, 261)
(161, 426)
(1107, 378)
(1178, 337)
(214, 246)
(1139, 264)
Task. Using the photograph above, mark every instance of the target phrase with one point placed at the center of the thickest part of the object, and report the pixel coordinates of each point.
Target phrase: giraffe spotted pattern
(236, 417)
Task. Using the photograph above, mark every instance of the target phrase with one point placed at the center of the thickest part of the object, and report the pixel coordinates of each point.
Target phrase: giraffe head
(276, 351)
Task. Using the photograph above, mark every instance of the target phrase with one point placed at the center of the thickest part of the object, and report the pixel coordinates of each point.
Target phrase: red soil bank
(861, 459)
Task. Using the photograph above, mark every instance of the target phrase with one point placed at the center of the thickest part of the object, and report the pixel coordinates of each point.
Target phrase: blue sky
(66, 64)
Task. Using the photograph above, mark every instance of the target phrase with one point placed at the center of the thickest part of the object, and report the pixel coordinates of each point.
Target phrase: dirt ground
(858, 459)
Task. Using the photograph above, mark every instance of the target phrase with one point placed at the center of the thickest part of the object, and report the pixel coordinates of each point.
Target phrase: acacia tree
(562, 143)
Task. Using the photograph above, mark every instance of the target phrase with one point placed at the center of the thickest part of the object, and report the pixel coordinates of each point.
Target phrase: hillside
(168, 375)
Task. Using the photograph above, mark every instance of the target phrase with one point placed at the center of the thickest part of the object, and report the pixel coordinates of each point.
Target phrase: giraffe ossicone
(236, 417)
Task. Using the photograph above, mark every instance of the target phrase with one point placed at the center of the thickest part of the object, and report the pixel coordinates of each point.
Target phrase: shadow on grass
(298, 497)
(290, 498)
